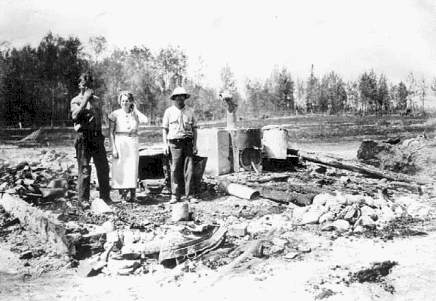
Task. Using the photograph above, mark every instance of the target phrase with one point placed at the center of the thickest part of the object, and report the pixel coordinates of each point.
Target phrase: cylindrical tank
(275, 142)
(180, 212)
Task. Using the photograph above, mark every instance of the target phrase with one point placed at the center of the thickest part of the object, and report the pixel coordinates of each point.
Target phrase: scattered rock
(304, 249)
(369, 212)
(358, 229)
(291, 255)
(341, 225)
(322, 198)
(311, 217)
(238, 230)
(327, 217)
(98, 206)
(326, 293)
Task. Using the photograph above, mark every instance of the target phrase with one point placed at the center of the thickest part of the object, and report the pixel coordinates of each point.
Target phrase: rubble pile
(50, 176)
(356, 213)
(408, 156)
(221, 231)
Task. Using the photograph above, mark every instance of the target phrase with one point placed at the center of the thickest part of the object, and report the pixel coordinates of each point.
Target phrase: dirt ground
(322, 269)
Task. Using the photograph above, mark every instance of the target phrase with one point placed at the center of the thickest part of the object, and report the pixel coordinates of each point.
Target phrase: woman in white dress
(123, 136)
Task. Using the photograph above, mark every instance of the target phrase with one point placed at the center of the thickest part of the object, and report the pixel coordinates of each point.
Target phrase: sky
(345, 36)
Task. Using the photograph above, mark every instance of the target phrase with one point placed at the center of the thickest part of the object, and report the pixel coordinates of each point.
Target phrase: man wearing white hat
(179, 130)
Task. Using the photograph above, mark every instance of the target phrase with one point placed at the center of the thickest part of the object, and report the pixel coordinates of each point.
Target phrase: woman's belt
(186, 139)
(130, 134)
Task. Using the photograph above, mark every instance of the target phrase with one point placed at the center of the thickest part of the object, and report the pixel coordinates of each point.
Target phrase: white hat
(179, 91)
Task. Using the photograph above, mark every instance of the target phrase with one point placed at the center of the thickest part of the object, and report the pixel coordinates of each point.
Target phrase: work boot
(132, 195)
(174, 199)
(165, 190)
(194, 200)
(123, 194)
(191, 199)
(108, 201)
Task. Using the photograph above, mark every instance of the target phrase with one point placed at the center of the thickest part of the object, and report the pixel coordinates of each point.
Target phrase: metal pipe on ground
(239, 190)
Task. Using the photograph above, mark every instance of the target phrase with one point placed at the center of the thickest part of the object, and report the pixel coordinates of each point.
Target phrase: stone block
(238, 230)
(215, 145)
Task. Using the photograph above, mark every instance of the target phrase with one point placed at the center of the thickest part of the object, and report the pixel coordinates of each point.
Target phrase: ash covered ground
(314, 232)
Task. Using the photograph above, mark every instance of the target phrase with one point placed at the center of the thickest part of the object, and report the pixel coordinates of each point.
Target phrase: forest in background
(37, 84)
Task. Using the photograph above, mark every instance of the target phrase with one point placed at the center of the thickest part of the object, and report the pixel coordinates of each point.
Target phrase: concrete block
(238, 230)
(216, 146)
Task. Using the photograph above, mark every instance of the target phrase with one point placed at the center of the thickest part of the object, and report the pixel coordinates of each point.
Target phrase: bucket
(199, 167)
(180, 212)
(275, 142)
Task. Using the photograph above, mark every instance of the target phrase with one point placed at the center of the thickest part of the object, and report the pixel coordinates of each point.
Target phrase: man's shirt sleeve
(194, 119)
(166, 120)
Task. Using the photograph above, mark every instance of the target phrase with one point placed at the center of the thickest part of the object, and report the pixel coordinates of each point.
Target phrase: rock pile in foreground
(346, 212)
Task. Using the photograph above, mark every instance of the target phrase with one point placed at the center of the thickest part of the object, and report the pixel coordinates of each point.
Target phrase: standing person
(87, 115)
(123, 136)
(179, 131)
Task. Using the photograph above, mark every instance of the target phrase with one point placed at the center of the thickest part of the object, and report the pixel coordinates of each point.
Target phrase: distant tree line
(37, 84)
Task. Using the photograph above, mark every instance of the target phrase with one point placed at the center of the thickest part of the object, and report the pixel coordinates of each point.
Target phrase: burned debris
(249, 210)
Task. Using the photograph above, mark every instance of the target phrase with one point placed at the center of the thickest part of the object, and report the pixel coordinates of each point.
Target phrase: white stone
(351, 214)
(129, 237)
(398, 211)
(405, 200)
(108, 226)
(366, 221)
(341, 225)
(98, 206)
(321, 199)
(379, 203)
(112, 237)
(311, 217)
(298, 212)
(387, 215)
(327, 217)
(238, 230)
(291, 255)
(369, 201)
(334, 206)
(328, 227)
(279, 242)
(418, 210)
(304, 249)
(368, 211)
(344, 180)
(319, 208)
(341, 198)
(358, 229)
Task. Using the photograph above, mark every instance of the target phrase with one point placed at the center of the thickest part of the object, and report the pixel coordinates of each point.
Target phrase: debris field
(223, 233)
